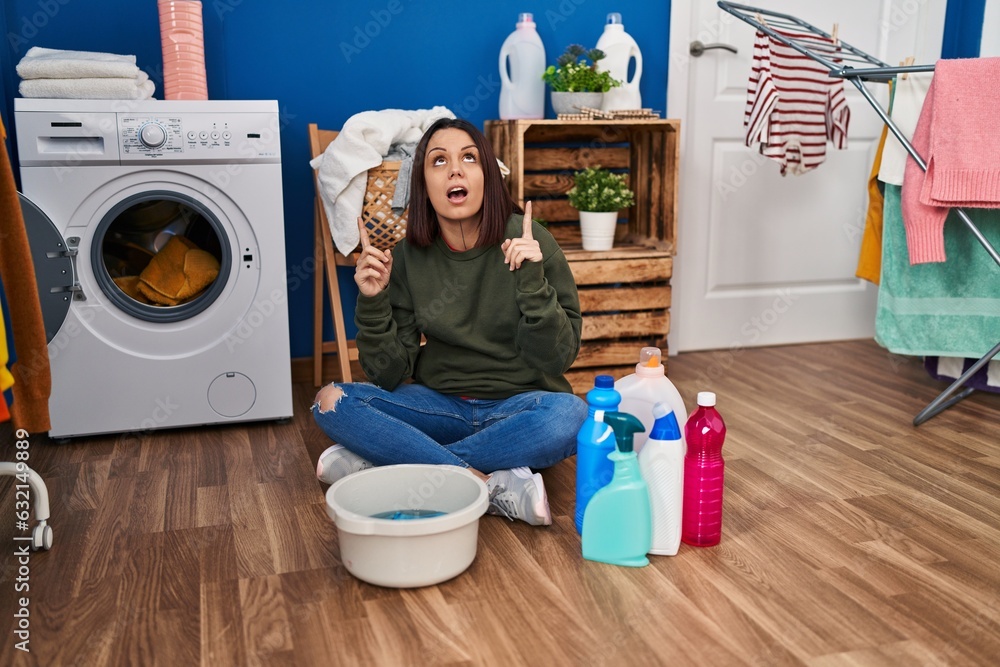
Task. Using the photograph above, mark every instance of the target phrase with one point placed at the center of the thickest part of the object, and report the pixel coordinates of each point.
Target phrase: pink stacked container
(183, 40)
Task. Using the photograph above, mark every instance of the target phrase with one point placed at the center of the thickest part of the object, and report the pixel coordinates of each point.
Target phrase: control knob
(152, 135)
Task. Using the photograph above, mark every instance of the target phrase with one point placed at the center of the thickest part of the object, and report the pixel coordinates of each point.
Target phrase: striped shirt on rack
(793, 105)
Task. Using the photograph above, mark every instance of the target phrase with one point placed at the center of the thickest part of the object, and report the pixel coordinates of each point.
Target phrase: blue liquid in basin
(407, 514)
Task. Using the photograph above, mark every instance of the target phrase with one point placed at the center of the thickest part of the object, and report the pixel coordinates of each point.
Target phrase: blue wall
(325, 61)
(963, 28)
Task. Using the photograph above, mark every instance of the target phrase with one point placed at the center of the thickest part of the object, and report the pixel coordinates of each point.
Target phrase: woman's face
(454, 176)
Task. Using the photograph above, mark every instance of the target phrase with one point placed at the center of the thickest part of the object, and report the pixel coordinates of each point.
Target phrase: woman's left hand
(524, 248)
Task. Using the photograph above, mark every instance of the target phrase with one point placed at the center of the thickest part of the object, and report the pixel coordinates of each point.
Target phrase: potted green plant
(598, 194)
(575, 83)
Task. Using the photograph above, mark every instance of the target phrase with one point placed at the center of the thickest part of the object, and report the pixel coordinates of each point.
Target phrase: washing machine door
(161, 256)
(53, 262)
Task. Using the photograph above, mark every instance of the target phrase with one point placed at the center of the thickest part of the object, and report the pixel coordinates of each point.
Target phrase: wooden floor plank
(850, 537)
(265, 613)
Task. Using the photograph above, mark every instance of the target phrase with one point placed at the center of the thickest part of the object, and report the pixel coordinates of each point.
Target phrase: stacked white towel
(54, 73)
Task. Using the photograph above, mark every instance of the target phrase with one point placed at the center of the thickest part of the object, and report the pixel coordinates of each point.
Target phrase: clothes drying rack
(854, 65)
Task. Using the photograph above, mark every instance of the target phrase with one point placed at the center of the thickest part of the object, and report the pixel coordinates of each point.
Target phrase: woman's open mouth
(457, 195)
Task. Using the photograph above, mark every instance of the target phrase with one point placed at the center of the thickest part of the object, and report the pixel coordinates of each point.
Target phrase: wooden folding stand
(385, 229)
(327, 261)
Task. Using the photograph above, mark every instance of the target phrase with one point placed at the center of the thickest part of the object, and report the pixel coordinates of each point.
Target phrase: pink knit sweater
(958, 138)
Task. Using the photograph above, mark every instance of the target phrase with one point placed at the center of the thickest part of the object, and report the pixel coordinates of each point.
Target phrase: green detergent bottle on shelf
(618, 524)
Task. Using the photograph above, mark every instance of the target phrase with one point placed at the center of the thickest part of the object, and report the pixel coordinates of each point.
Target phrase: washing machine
(157, 234)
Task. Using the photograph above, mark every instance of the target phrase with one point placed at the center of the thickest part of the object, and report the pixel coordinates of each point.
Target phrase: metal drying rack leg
(943, 402)
(873, 70)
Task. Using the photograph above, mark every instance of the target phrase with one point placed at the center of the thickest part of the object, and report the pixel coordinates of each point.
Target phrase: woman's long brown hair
(422, 223)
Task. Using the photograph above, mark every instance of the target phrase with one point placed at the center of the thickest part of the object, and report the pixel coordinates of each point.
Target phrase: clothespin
(836, 32)
(907, 63)
(760, 19)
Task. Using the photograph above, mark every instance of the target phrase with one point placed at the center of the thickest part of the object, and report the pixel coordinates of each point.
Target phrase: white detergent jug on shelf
(522, 91)
(619, 49)
(645, 388)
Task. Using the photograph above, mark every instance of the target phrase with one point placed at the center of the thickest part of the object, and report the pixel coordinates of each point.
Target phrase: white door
(765, 259)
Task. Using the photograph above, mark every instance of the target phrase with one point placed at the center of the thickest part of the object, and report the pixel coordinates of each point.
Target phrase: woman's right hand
(374, 266)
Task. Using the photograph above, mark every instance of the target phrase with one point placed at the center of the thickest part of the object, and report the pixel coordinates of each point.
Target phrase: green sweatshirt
(491, 332)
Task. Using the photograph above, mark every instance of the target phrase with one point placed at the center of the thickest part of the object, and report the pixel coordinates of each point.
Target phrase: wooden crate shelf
(543, 154)
(624, 292)
(625, 300)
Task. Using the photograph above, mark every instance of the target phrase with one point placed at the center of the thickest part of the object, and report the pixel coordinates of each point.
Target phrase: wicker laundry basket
(385, 227)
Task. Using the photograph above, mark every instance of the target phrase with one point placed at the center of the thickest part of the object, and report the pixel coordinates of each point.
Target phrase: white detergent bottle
(644, 389)
(522, 91)
(661, 464)
(620, 49)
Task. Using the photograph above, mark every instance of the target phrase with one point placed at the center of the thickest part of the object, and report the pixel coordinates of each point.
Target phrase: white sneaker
(337, 462)
(518, 494)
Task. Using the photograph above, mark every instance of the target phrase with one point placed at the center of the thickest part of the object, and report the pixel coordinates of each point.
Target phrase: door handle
(697, 48)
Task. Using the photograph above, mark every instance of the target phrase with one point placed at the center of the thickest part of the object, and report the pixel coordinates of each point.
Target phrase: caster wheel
(41, 537)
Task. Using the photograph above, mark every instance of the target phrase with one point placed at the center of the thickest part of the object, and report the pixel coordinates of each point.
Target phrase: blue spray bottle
(617, 524)
(594, 442)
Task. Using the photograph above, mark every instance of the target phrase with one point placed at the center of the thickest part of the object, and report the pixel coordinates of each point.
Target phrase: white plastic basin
(418, 552)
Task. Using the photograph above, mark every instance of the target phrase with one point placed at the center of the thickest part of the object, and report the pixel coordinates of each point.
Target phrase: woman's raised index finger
(526, 233)
(363, 231)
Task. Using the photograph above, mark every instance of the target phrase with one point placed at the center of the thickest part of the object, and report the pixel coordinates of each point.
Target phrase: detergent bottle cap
(614, 18)
(706, 398)
(665, 426)
(650, 357)
(624, 425)
(604, 382)
(650, 364)
(525, 18)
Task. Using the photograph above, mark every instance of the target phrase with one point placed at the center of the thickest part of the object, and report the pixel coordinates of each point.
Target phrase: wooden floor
(850, 538)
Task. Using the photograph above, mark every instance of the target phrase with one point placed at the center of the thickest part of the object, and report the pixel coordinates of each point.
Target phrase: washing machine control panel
(217, 137)
(154, 136)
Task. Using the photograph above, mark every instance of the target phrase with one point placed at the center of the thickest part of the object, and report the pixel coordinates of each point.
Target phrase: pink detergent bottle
(703, 474)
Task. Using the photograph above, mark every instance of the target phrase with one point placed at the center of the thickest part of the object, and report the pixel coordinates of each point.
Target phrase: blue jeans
(415, 424)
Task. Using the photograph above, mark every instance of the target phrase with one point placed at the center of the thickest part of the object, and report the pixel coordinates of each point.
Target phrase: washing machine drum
(161, 256)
